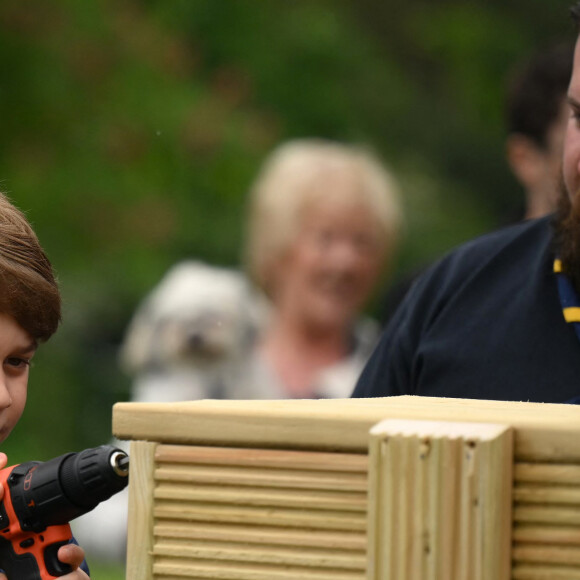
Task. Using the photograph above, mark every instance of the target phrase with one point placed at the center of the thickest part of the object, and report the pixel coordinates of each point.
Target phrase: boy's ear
(525, 159)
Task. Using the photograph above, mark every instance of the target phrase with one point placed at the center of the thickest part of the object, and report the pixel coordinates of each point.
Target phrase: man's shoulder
(524, 242)
(494, 259)
(525, 236)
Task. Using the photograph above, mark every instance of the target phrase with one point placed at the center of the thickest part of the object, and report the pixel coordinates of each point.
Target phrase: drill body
(41, 498)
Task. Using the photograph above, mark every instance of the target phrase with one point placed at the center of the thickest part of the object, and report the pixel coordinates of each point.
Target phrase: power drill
(41, 498)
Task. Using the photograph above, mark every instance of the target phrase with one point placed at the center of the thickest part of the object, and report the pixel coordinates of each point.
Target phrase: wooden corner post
(440, 497)
(140, 532)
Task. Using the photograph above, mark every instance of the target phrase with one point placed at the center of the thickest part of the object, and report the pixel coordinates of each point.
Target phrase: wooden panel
(238, 513)
(439, 501)
(546, 521)
(542, 431)
(290, 478)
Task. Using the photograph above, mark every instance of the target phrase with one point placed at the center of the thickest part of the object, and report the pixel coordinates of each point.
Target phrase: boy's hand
(72, 555)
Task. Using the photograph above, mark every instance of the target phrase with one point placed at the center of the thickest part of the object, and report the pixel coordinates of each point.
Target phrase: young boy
(29, 315)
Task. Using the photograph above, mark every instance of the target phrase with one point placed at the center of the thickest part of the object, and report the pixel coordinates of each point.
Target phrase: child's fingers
(71, 554)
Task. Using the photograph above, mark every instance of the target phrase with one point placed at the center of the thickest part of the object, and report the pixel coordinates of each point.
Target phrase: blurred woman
(324, 219)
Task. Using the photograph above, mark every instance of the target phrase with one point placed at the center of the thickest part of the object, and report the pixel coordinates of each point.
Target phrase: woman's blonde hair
(293, 176)
(29, 291)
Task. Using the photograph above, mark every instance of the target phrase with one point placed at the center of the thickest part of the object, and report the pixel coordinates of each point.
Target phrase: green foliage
(101, 571)
(133, 129)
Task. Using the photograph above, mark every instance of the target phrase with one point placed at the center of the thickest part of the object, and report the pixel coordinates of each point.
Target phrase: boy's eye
(17, 362)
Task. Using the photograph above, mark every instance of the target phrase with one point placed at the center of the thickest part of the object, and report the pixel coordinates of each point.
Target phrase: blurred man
(537, 113)
(499, 317)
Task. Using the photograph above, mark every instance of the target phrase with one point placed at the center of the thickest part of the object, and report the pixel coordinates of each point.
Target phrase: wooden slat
(552, 515)
(225, 571)
(299, 460)
(322, 500)
(547, 494)
(535, 572)
(559, 473)
(542, 554)
(326, 520)
(547, 534)
(542, 431)
(262, 476)
(262, 535)
(249, 553)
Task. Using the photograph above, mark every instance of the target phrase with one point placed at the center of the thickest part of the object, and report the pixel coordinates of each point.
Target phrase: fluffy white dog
(188, 339)
(192, 334)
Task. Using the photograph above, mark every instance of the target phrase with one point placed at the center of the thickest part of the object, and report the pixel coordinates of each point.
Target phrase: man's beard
(567, 234)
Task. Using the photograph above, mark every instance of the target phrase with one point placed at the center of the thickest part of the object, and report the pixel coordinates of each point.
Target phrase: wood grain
(542, 431)
(140, 539)
(278, 489)
(439, 501)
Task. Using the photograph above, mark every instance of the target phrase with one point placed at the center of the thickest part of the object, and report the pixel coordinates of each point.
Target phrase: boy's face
(17, 348)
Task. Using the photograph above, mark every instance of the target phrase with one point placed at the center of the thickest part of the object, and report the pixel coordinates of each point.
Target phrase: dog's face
(197, 316)
(202, 337)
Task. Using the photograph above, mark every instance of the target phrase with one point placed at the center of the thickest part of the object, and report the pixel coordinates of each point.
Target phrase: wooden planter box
(404, 488)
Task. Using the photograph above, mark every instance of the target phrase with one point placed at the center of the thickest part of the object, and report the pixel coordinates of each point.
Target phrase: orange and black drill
(41, 498)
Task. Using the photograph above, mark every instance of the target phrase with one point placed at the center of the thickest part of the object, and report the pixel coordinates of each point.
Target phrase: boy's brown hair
(28, 289)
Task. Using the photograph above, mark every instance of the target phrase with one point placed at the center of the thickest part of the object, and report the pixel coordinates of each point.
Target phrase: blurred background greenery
(133, 128)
